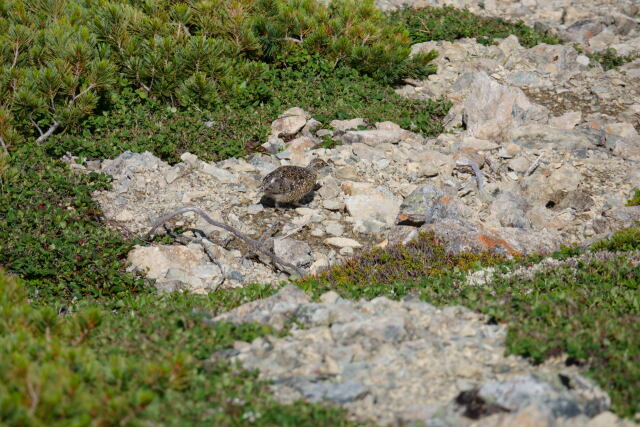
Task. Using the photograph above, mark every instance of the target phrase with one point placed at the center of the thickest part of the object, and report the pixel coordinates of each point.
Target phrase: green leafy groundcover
(143, 359)
(446, 23)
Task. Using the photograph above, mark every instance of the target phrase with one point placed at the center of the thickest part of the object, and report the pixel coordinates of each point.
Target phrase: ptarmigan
(289, 184)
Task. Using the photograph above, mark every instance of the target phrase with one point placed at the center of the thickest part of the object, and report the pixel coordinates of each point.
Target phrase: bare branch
(535, 165)
(49, 132)
(292, 39)
(87, 89)
(4, 146)
(36, 125)
(255, 245)
(16, 52)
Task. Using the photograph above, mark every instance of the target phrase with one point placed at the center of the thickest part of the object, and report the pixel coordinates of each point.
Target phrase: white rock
(568, 120)
(347, 124)
(287, 126)
(373, 206)
(190, 159)
(333, 204)
(342, 242)
(334, 228)
(157, 260)
(519, 164)
(624, 130)
(372, 137)
(220, 174)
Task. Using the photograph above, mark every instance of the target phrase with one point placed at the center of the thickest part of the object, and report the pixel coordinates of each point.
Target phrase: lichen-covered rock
(392, 362)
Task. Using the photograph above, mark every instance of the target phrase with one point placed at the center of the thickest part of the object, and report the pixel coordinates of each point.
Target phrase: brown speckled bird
(289, 184)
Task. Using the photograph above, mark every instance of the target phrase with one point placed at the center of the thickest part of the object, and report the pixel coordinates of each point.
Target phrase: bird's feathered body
(289, 184)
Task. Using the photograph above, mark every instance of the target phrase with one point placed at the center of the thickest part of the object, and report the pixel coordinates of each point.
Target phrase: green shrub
(609, 58)
(144, 360)
(64, 59)
(622, 240)
(447, 23)
(397, 270)
(138, 123)
(635, 200)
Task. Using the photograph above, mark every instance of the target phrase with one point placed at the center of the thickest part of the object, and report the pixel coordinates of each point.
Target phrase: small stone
(254, 208)
(220, 174)
(343, 242)
(373, 206)
(519, 164)
(293, 251)
(334, 228)
(426, 204)
(346, 251)
(333, 204)
(287, 126)
(345, 125)
(372, 137)
(624, 130)
(567, 121)
(583, 60)
(190, 159)
(329, 297)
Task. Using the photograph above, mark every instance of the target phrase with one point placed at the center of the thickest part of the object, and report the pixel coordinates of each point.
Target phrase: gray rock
(334, 228)
(617, 219)
(582, 31)
(386, 361)
(373, 205)
(509, 208)
(343, 242)
(426, 204)
(338, 392)
(288, 125)
(490, 108)
(293, 251)
(345, 125)
(372, 137)
(551, 395)
(542, 136)
(274, 310)
(526, 78)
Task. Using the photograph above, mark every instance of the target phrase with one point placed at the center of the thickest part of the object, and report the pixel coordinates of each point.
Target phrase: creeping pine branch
(49, 132)
(4, 146)
(56, 124)
(255, 245)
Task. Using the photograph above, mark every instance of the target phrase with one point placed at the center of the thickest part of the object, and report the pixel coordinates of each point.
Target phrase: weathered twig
(476, 170)
(33, 122)
(4, 146)
(534, 166)
(56, 124)
(292, 39)
(255, 245)
(49, 132)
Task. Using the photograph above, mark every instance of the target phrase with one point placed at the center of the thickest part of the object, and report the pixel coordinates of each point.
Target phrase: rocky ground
(409, 362)
(542, 149)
